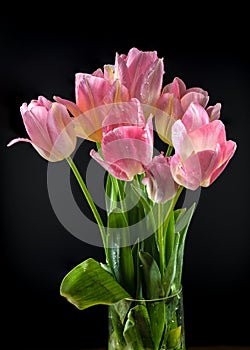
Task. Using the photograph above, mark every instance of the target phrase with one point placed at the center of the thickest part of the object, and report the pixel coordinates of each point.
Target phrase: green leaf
(89, 284)
(184, 218)
(170, 271)
(169, 238)
(137, 329)
(152, 276)
(183, 223)
(119, 253)
(154, 290)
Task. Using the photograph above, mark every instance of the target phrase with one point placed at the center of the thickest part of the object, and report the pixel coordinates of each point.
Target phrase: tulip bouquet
(124, 109)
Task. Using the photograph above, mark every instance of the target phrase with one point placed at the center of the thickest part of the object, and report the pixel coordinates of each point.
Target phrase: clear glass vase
(147, 324)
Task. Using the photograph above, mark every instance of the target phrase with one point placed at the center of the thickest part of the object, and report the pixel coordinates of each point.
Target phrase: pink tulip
(49, 127)
(172, 104)
(127, 143)
(201, 149)
(158, 180)
(141, 72)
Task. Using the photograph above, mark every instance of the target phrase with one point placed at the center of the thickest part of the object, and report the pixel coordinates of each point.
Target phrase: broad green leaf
(152, 276)
(119, 253)
(185, 220)
(89, 284)
(170, 271)
(154, 290)
(137, 329)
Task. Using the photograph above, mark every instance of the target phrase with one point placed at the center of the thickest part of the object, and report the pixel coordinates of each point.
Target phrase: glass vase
(147, 324)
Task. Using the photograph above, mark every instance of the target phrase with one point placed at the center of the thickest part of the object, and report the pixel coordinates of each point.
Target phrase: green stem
(172, 206)
(89, 199)
(161, 245)
(169, 151)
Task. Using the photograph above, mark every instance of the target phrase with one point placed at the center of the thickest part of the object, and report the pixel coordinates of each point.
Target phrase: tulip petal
(121, 71)
(159, 182)
(195, 97)
(181, 141)
(61, 130)
(177, 87)
(208, 136)
(35, 121)
(214, 111)
(71, 106)
(113, 169)
(127, 142)
(194, 170)
(228, 154)
(117, 93)
(124, 113)
(195, 117)
(148, 87)
(90, 91)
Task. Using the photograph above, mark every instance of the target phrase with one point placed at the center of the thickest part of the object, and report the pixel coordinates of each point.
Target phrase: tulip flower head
(201, 149)
(50, 129)
(127, 142)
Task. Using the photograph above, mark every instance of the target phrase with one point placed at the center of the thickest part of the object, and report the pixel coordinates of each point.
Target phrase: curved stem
(89, 199)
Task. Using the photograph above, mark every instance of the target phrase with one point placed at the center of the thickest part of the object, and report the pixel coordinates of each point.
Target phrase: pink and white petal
(85, 128)
(71, 106)
(113, 169)
(208, 136)
(195, 117)
(128, 142)
(124, 113)
(182, 176)
(35, 122)
(159, 181)
(143, 58)
(91, 91)
(61, 130)
(214, 112)
(121, 71)
(98, 73)
(117, 93)
(195, 97)
(170, 104)
(181, 141)
(228, 154)
(177, 87)
(148, 88)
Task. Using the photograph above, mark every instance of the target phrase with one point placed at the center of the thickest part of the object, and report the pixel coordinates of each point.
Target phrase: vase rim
(157, 299)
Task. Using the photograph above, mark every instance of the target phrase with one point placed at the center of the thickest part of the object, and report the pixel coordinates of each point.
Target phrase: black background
(41, 50)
